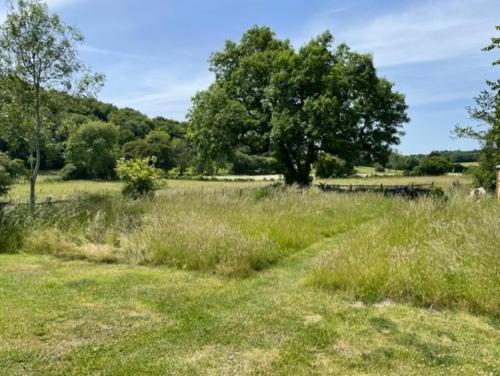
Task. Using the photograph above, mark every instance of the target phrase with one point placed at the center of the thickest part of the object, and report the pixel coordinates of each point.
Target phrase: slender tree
(40, 51)
(487, 113)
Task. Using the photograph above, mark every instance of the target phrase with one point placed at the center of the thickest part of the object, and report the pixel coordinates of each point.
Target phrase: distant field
(59, 190)
(370, 171)
(470, 164)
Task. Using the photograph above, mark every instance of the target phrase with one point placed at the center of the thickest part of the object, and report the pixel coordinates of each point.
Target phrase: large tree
(487, 113)
(269, 97)
(38, 53)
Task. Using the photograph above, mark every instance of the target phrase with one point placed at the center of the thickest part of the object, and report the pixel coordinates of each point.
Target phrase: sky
(155, 53)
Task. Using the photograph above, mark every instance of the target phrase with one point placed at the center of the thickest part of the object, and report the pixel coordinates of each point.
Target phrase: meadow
(247, 278)
(51, 186)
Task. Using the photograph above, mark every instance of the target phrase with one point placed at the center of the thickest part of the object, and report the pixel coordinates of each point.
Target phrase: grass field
(50, 186)
(223, 278)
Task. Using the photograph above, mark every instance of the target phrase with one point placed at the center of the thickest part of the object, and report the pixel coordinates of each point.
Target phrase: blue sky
(154, 52)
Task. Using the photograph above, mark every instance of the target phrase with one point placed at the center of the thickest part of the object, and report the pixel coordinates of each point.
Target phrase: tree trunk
(38, 154)
(299, 174)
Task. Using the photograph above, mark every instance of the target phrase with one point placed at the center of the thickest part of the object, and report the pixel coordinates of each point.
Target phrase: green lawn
(61, 318)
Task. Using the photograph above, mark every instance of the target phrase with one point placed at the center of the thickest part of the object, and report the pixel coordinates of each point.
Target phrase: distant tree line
(435, 163)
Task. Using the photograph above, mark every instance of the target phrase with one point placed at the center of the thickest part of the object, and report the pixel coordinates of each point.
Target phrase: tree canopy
(296, 104)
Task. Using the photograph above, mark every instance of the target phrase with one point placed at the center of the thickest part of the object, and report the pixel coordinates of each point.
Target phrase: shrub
(92, 150)
(434, 166)
(69, 172)
(140, 176)
(379, 168)
(9, 171)
(244, 164)
(329, 166)
(459, 168)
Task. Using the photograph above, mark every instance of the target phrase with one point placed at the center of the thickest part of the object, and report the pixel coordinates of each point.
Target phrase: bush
(69, 172)
(92, 150)
(459, 168)
(9, 171)
(434, 166)
(329, 166)
(379, 168)
(140, 176)
(244, 164)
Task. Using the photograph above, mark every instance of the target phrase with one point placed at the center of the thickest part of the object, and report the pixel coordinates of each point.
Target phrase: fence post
(498, 182)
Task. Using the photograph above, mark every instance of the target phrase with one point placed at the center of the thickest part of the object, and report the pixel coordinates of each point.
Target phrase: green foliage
(253, 104)
(379, 168)
(329, 166)
(9, 171)
(157, 144)
(434, 166)
(131, 121)
(459, 156)
(244, 164)
(459, 168)
(69, 172)
(92, 149)
(487, 112)
(183, 154)
(140, 176)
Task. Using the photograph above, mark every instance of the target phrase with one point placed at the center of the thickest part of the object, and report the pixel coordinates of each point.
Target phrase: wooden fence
(412, 190)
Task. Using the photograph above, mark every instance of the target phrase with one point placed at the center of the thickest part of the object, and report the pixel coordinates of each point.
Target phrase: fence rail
(411, 190)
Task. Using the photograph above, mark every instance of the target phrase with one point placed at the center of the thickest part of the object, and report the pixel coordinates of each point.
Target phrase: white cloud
(116, 54)
(426, 31)
(163, 94)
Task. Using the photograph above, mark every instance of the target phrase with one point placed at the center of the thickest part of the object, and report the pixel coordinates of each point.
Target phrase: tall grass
(229, 231)
(430, 253)
(235, 232)
(11, 230)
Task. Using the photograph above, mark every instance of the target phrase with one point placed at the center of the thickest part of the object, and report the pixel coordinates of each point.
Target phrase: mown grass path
(62, 318)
